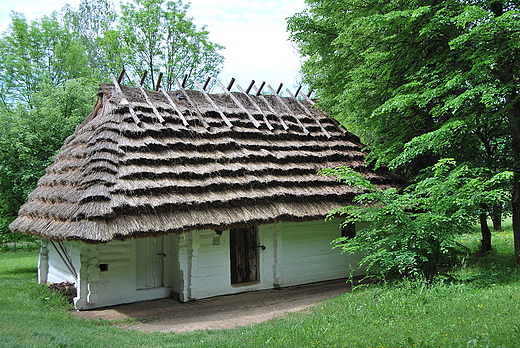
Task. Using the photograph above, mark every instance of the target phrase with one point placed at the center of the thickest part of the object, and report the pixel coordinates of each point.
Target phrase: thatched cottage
(193, 195)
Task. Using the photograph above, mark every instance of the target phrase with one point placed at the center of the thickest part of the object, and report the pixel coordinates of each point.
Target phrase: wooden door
(244, 255)
(149, 263)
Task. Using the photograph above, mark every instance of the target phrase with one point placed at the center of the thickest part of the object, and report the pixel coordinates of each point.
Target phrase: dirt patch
(222, 312)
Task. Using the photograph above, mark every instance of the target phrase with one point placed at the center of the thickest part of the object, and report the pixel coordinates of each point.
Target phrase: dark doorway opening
(244, 255)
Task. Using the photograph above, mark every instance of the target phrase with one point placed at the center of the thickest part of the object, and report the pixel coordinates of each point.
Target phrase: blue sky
(253, 32)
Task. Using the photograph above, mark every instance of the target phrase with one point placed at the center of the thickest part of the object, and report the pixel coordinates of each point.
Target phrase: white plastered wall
(108, 274)
(295, 253)
(197, 265)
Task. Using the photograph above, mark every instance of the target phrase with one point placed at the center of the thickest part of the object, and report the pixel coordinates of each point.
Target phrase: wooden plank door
(149, 263)
(244, 255)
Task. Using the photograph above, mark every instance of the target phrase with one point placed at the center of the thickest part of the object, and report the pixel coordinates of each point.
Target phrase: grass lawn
(476, 306)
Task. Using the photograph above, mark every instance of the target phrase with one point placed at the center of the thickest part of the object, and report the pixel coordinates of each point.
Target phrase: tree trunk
(486, 233)
(506, 77)
(496, 217)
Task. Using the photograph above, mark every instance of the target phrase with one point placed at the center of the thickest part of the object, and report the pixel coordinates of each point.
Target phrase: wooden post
(121, 75)
(279, 89)
(206, 83)
(158, 84)
(298, 90)
(231, 83)
(260, 89)
(250, 86)
(143, 77)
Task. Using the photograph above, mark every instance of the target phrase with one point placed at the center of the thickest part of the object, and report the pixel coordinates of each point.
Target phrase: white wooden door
(150, 262)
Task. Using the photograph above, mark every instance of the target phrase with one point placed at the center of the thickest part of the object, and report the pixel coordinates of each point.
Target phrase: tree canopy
(420, 80)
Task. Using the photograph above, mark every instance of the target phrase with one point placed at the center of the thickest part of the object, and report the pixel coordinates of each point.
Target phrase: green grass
(477, 305)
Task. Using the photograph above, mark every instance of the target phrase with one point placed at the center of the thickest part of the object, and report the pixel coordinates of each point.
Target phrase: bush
(413, 233)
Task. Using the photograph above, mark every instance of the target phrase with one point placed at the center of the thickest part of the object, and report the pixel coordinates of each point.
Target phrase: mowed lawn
(477, 305)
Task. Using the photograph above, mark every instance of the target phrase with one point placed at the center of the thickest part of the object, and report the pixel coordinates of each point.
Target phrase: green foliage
(413, 233)
(30, 137)
(36, 53)
(419, 81)
(155, 36)
(394, 71)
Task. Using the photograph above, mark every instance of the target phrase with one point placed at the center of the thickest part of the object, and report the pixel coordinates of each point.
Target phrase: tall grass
(476, 305)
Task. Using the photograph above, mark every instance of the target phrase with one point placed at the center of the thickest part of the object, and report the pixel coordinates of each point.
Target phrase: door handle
(162, 254)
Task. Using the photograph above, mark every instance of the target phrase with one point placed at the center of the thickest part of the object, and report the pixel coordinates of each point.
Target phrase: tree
(414, 232)
(87, 24)
(37, 53)
(155, 36)
(31, 136)
(396, 70)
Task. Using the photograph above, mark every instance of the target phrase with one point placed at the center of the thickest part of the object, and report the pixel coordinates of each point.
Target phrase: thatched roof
(134, 168)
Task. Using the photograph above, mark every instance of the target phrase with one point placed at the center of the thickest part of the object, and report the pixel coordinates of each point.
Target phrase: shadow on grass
(489, 269)
(20, 271)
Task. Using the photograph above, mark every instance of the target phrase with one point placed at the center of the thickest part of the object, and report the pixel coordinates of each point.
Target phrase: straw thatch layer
(120, 176)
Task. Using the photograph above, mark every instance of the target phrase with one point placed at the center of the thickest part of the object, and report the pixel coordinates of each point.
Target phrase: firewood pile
(67, 289)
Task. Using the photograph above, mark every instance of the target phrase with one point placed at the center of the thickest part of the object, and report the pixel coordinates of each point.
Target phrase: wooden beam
(175, 107)
(250, 86)
(260, 89)
(124, 100)
(262, 98)
(237, 102)
(231, 83)
(121, 75)
(142, 78)
(158, 84)
(266, 121)
(154, 109)
(215, 106)
(305, 131)
(197, 111)
(206, 83)
(308, 112)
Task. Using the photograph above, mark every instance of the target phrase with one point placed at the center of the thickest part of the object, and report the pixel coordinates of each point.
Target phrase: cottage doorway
(150, 263)
(244, 255)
